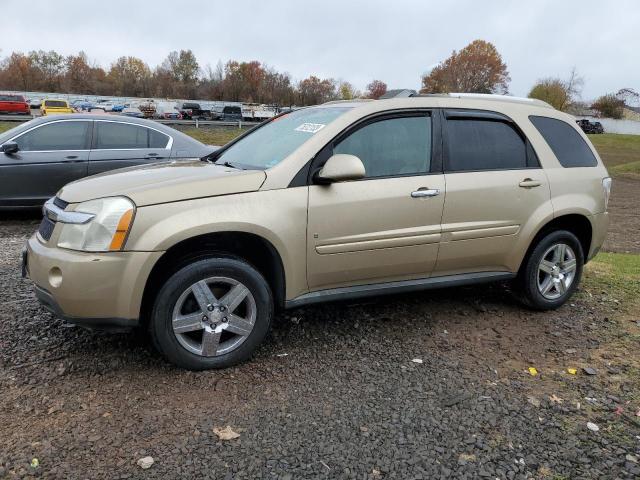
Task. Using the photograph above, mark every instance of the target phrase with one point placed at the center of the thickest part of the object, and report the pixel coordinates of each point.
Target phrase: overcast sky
(395, 41)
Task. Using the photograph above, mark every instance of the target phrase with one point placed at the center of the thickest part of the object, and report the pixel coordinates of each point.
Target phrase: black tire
(160, 324)
(527, 280)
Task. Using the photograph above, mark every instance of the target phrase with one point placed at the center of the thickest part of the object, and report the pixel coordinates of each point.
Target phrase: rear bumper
(600, 225)
(90, 289)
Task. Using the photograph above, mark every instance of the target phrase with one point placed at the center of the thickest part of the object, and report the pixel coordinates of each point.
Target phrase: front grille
(46, 228)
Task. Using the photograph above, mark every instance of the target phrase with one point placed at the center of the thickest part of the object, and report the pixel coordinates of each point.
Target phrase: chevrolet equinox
(332, 202)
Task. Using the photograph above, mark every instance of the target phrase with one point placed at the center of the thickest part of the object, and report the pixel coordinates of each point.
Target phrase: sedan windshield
(270, 144)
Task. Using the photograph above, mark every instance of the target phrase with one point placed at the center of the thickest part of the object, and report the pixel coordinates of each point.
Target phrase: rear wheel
(552, 271)
(212, 313)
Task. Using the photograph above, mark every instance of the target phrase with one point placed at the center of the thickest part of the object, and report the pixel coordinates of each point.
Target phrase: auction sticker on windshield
(310, 127)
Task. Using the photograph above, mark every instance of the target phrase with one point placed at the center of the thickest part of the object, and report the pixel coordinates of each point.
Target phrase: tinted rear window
(484, 145)
(11, 98)
(157, 139)
(112, 135)
(232, 110)
(568, 146)
(55, 103)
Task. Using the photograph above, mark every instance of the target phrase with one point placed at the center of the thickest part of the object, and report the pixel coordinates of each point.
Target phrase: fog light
(55, 277)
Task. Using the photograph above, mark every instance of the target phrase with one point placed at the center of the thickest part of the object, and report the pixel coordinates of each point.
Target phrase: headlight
(106, 231)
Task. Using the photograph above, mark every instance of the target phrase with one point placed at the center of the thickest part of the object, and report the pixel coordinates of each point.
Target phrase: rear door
(496, 194)
(49, 156)
(120, 144)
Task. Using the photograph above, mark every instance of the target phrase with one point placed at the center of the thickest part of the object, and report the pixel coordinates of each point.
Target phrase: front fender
(278, 216)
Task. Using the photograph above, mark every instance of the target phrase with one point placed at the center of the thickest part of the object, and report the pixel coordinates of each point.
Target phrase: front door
(385, 227)
(49, 157)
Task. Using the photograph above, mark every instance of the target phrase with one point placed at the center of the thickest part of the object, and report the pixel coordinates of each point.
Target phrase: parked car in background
(590, 127)
(104, 105)
(118, 107)
(35, 102)
(132, 111)
(228, 113)
(335, 202)
(167, 111)
(255, 112)
(192, 111)
(14, 104)
(53, 107)
(81, 105)
(38, 157)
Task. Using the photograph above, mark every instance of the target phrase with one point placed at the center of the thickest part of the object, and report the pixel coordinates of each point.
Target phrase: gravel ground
(333, 393)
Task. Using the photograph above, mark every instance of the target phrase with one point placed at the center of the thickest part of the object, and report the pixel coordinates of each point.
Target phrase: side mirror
(339, 168)
(9, 148)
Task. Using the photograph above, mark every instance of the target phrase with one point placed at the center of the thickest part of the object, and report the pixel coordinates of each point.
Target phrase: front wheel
(212, 313)
(552, 271)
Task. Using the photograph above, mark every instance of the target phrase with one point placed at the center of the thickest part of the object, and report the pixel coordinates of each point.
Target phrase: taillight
(606, 186)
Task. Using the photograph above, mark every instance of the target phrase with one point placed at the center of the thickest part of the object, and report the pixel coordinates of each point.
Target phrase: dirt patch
(624, 211)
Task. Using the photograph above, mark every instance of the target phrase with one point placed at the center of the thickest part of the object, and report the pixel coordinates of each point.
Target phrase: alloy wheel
(214, 316)
(556, 271)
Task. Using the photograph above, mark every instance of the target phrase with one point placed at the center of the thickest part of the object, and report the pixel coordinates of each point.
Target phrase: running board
(361, 291)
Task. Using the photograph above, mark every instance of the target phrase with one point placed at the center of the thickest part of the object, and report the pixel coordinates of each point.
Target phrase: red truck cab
(10, 103)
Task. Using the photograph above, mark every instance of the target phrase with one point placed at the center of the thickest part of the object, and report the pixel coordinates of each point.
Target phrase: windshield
(270, 144)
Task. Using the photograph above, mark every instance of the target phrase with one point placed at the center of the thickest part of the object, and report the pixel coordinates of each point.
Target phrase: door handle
(71, 157)
(529, 183)
(425, 192)
(151, 155)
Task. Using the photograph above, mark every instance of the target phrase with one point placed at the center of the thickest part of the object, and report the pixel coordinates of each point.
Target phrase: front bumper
(90, 289)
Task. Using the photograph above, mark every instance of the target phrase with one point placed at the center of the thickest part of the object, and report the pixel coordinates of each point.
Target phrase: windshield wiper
(229, 164)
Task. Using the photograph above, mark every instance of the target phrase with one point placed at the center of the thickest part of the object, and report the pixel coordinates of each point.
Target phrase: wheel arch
(576, 223)
(254, 249)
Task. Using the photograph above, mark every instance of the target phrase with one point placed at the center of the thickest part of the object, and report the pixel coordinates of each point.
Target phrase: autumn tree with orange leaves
(376, 89)
(477, 68)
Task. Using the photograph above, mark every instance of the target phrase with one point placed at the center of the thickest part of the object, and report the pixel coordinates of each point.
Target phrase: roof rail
(488, 96)
(333, 102)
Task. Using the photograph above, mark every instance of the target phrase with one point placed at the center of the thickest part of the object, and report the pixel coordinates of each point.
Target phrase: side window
(55, 136)
(157, 139)
(477, 144)
(112, 135)
(568, 146)
(395, 146)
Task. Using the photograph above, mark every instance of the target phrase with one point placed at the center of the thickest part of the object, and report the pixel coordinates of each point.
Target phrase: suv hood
(164, 182)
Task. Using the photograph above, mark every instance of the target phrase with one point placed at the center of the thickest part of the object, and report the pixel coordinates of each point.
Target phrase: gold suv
(333, 202)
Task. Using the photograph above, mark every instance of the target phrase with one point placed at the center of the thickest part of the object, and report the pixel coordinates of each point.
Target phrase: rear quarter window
(566, 143)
